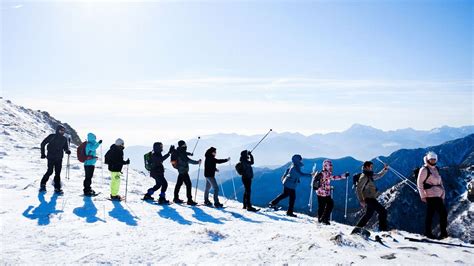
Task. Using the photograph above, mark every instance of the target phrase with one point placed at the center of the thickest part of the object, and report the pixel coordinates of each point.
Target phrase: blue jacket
(91, 148)
(293, 174)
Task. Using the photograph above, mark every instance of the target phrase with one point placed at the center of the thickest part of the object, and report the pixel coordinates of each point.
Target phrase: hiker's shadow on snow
(275, 217)
(44, 210)
(241, 217)
(202, 216)
(170, 213)
(88, 211)
(121, 214)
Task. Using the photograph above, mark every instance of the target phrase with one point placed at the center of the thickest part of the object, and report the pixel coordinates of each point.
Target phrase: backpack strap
(428, 175)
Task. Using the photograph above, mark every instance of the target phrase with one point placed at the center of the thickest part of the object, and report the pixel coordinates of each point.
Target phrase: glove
(249, 152)
(171, 149)
(228, 159)
(100, 141)
(127, 161)
(346, 174)
(68, 152)
(43, 156)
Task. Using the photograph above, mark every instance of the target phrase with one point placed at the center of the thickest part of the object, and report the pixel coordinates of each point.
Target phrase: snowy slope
(42, 229)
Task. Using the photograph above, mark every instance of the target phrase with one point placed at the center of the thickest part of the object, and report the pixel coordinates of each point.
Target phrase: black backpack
(416, 172)
(174, 159)
(107, 157)
(147, 158)
(316, 181)
(239, 168)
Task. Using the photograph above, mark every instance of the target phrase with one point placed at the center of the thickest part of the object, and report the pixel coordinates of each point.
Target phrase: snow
(70, 229)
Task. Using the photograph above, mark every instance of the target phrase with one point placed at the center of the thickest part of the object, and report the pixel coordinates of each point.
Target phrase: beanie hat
(181, 143)
(327, 164)
(431, 155)
(119, 142)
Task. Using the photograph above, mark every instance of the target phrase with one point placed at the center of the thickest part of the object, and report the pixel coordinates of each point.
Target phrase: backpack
(107, 157)
(174, 159)
(147, 158)
(416, 172)
(81, 153)
(239, 168)
(316, 180)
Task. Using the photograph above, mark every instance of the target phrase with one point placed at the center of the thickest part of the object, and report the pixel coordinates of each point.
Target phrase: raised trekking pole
(68, 166)
(405, 180)
(310, 203)
(102, 165)
(222, 188)
(347, 192)
(197, 141)
(197, 182)
(126, 185)
(233, 183)
(261, 140)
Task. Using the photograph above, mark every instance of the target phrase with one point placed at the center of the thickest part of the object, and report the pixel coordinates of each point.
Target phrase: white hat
(119, 142)
(431, 155)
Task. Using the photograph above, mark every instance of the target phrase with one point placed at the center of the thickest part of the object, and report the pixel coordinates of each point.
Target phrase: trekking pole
(102, 165)
(332, 190)
(261, 140)
(233, 183)
(347, 192)
(68, 156)
(126, 185)
(222, 188)
(310, 203)
(197, 141)
(410, 183)
(197, 182)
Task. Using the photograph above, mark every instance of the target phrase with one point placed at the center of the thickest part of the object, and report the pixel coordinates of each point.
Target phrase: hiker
(290, 180)
(157, 172)
(325, 201)
(210, 169)
(182, 164)
(247, 160)
(114, 159)
(89, 164)
(430, 186)
(57, 144)
(367, 195)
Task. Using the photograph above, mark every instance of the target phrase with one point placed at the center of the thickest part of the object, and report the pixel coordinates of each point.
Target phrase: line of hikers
(429, 181)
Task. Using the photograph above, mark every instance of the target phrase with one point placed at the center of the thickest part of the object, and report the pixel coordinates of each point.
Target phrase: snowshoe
(361, 231)
(218, 205)
(178, 201)
(91, 193)
(326, 222)
(148, 197)
(191, 203)
(252, 209)
(291, 214)
(208, 203)
(274, 207)
(163, 201)
(59, 191)
(116, 198)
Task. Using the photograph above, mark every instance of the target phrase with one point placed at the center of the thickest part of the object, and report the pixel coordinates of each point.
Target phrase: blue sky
(160, 70)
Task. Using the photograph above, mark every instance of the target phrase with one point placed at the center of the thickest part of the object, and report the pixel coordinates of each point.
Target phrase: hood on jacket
(210, 151)
(297, 160)
(91, 138)
(157, 147)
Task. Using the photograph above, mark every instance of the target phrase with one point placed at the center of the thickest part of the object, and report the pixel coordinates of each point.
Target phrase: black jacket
(210, 165)
(57, 145)
(246, 165)
(184, 160)
(114, 158)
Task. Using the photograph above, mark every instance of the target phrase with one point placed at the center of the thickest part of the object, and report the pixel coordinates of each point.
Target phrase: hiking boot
(430, 235)
(272, 206)
(218, 205)
(116, 198)
(42, 189)
(326, 222)
(291, 214)
(207, 203)
(251, 209)
(90, 193)
(191, 203)
(163, 200)
(148, 197)
(443, 236)
(178, 201)
(58, 191)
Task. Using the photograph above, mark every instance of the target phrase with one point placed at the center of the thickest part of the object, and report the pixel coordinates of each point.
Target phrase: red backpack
(81, 152)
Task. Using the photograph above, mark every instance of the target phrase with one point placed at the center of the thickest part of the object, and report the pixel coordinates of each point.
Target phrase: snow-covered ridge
(46, 229)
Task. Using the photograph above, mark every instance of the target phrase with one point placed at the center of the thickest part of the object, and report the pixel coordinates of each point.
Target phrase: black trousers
(248, 190)
(56, 165)
(436, 205)
(183, 178)
(89, 169)
(372, 205)
(287, 192)
(160, 182)
(325, 206)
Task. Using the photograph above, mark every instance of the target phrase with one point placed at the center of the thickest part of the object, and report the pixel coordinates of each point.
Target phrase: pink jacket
(325, 189)
(434, 179)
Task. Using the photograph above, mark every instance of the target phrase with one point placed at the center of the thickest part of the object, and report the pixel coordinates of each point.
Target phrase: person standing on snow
(183, 162)
(325, 201)
(430, 186)
(290, 180)
(157, 172)
(115, 162)
(210, 169)
(367, 195)
(247, 160)
(57, 144)
(89, 164)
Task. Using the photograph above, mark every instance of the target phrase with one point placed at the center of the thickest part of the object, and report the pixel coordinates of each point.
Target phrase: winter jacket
(293, 175)
(247, 170)
(210, 165)
(114, 158)
(157, 168)
(437, 188)
(184, 160)
(57, 145)
(366, 188)
(91, 148)
(325, 188)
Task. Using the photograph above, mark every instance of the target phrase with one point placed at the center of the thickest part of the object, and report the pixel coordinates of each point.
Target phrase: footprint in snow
(390, 256)
(408, 248)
